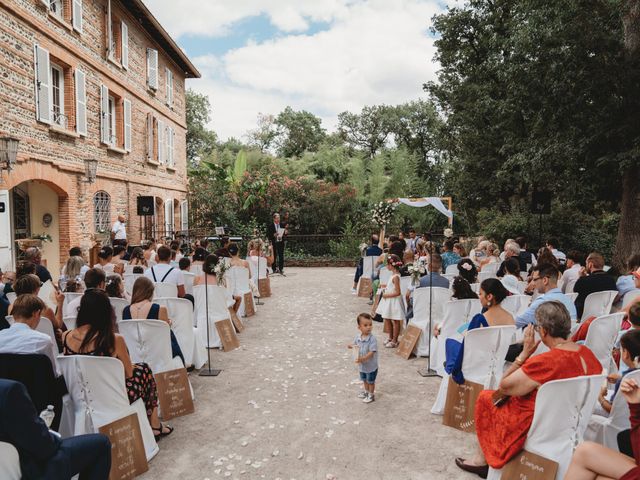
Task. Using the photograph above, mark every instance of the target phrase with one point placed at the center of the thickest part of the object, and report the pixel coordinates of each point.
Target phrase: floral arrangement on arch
(448, 232)
(382, 212)
(416, 270)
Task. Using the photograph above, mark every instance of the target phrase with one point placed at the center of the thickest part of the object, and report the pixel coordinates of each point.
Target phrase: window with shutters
(169, 86)
(57, 96)
(67, 12)
(112, 125)
(152, 69)
(117, 38)
(101, 211)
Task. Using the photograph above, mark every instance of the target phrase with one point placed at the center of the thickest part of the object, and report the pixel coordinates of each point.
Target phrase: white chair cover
(601, 337)
(562, 412)
(515, 304)
(128, 269)
(99, 396)
(598, 304)
(162, 290)
(630, 297)
(572, 296)
(196, 269)
(188, 282)
(475, 287)
(238, 279)
(450, 276)
(452, 269)
(182, 323)
(404, 285)
(368, 265)
(522, 286)
(70, 322)
(149, 341)
(118, 305)
(486, 274)
(218, 310)
(456, 314)
(11, 296)
(604, 430)
(45, 326)
(129, 280)
(9, 462)
(257, 273)
(68, 297)
(491, 268)
(423, 297)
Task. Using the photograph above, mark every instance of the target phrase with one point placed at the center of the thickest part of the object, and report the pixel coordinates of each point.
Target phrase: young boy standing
(367, 359)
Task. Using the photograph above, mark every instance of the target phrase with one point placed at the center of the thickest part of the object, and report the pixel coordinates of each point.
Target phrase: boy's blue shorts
(369, 377)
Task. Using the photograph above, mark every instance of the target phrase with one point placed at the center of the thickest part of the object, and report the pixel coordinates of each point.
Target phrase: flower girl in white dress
(391, 306)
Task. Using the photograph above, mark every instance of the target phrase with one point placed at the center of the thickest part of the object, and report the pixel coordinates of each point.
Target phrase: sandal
(160, 431)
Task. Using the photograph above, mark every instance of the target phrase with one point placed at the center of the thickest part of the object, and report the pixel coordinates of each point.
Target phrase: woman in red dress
(503, 417)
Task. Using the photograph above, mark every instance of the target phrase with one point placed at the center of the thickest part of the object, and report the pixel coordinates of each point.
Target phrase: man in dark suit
(275, 234)
(43, 454)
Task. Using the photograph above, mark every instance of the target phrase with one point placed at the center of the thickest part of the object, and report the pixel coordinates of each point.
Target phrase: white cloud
(372, 52)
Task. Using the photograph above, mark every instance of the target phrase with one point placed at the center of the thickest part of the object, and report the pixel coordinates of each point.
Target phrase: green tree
(368, 130)
(298, 132)
(263, 137)
(201, 141)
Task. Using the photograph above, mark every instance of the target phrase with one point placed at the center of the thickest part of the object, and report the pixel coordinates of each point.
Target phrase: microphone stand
(209, 372)
(428, 371)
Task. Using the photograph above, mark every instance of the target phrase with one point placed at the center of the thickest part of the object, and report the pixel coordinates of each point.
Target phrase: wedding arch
(435, 202)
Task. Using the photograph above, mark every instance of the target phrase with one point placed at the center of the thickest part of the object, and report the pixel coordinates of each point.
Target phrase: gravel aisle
(285, 405)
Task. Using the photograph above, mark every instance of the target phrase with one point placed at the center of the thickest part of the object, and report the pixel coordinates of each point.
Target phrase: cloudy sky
(324, 56)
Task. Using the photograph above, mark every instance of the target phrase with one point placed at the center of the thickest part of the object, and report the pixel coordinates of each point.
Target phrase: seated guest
(7, 279)
(208, 277)
(224, 245)
(149, 248)
(626, 283)
(461, 289)
(114, 287)
(491, 255)
(572, 273)
(119, 251)
(34, 255)
(592, 279)
(142, 307)
(373, 249)
(22, 337)
(236, 261)
(467, 270)
(184, 264)
(94, 335)
(545, 280)
(552, 245)
(43, 454)
(105, 255)
(199, 256)
(74, 269)
(162, 272)
(503, 417)
(95, 278)
(592, 461)
(137, 257)
(459, 249)
(511, 250)
(175, 248)
(511, 275)
(449, 256)
(30, 285)
(525, 256)
(630, 357)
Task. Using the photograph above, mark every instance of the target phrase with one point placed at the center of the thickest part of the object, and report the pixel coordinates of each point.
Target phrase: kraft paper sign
(128, 458)
(408, 341)
(236, 320)
(460, 406)
(365, 287)
(174, 393)
(249, 311)
(529, 466)
(264, 287)
(227, 335)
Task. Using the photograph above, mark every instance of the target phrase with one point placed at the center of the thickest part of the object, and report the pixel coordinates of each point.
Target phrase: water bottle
(47, 415)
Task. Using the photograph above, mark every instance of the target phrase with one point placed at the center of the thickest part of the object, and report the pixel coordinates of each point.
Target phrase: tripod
(209, 372)
(428, 371)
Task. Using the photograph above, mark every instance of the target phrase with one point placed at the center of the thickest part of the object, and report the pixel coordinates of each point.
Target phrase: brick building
(89, 80)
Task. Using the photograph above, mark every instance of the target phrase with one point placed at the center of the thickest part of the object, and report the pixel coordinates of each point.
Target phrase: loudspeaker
(541, 202)
(146, 206)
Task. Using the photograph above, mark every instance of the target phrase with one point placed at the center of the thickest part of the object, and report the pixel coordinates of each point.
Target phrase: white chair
(475, 287)
(149, 341)
(427, 299)
(11, 296)
(180, 312)
(129, 280)
(9, 462)
(561, 415)
(196, 269)
(522, 286)
(601, 338)
(515, 304)
(163, 290)
(630, 297)
(456, 314)
(572, 296)
(118, 305)
(128, 269)
(452, 270)
(604, 430)
(405, 282)
(68, 298)
(70, 322)
(258, 267)
(485, 275)
(450, 276)
(238, 281)
(188, 282)
(598, 303)
(99, 396)
(491, 268)
(216, 298)
(483, 361)
(45, 326)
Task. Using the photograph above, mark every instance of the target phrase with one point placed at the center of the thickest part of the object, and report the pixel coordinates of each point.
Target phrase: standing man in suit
(44, 454)
(275, 234)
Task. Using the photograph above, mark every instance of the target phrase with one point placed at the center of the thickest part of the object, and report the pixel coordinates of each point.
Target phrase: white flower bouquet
(382, 212)
(416, 269)
(448, 233)
(220, 270)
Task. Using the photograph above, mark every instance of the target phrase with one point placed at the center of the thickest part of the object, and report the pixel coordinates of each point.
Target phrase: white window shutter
(152, 68)
(46, 3)
(168, 215)
(105, 117)
(184, 215)
(81, 102)
(77, 15)
(169, 87)
(109, 31)
(43, 82)
(171, 137)
(127, 125)
(161, 146)
(150, 140)
(124, 32)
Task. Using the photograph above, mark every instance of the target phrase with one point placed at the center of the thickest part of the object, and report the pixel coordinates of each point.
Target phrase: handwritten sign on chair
(128, 458)
(227, 334)
(408, 341)
(249, 310)
(264, 287)
(530, 466)
(365, 287)
(460, 406)
(236, 320)
(174, 393)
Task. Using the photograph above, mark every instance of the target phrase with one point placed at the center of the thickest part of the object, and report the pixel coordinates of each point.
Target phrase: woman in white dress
(391, 308)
